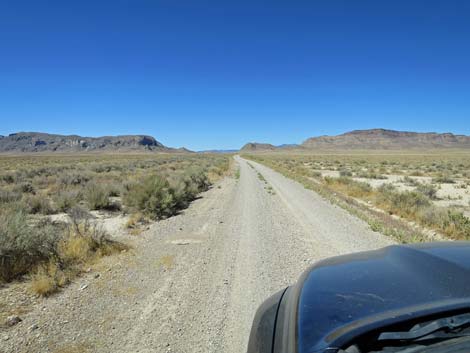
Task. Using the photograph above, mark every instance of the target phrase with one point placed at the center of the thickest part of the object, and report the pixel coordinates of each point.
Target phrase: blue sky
(216, 74)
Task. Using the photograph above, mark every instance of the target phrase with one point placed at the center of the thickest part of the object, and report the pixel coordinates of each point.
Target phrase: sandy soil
(449, 195)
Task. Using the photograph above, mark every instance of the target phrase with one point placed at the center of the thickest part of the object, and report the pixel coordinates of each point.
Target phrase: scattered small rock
(33, 327)
(83, 286)
(97, 275)
(13, 320)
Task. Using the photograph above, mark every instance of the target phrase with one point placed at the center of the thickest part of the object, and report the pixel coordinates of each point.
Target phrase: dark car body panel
(342, 298)
(262, 332)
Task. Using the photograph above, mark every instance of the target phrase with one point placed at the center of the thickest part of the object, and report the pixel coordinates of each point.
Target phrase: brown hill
(42, 142)
(388, 139)
(256, 146)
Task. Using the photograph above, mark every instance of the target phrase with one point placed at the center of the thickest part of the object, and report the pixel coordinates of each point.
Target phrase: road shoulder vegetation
(409, 209)
(48, 230)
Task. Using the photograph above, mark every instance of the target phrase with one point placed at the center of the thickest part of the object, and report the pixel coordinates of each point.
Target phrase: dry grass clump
(413, 205)
(349, 186)
(52, 253)
(83, 243)
(48, 279)
(405, 203)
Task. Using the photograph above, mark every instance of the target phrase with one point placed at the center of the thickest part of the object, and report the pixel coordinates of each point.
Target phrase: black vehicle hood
(345, 296)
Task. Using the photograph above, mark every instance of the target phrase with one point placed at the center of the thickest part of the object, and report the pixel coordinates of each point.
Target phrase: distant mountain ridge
(388, 139)
(43, 142)
(378, 139)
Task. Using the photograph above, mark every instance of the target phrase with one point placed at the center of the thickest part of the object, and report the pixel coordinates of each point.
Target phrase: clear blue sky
(216, 74)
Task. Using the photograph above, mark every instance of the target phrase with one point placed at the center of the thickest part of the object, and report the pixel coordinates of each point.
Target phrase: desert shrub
(406, 202)
(345, 173)
(386, 188)
(189, 185)
(160, 197)
(74, 179)
(428, 190)
(114, 189)
(410, 181)
(7, 196)
(433, 216)
(154, 196)
(26, 188)
(65, 200)
(96, 196)
(418, 207)
(8, 178)
(39, 204)
(443, 179)
(457, 225)
(79, 244)
(23, 245)
(52, 253)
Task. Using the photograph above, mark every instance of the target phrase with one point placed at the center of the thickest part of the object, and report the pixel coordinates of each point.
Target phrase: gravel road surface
(192, 283)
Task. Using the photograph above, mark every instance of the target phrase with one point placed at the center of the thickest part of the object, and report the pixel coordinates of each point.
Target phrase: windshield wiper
(431, 330)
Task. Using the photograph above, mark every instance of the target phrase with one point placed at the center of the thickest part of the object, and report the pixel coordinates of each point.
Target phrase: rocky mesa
(383, 139)
(42, 142)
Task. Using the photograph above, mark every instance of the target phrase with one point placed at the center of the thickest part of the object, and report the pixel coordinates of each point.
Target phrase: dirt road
(193, 282)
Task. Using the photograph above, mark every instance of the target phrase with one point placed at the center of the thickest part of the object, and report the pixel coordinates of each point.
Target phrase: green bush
(417, 206)
(65, 200)
(406, 202)
(443, 179)
(96, 196)
(154, 196)
(8, 178)
(159, 197)
(23, 245)
(457, 225)
(39, 204)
